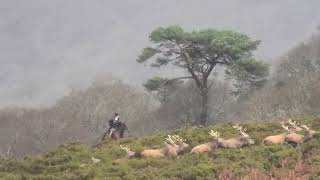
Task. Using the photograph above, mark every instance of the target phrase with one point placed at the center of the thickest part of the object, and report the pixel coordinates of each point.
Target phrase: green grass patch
(73, 160)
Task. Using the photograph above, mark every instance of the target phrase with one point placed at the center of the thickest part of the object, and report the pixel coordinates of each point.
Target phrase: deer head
(285, 127)
(180, 142)
(244, 135)
(176, 142)
(129, 152)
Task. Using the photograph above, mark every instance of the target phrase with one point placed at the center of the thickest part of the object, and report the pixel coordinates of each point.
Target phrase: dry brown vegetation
(301, 171)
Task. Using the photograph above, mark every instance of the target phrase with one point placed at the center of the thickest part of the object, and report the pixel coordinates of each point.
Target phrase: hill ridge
(74, 160)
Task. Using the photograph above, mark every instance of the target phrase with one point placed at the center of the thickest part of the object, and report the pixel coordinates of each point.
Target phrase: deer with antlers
(173, 146)
(277, 139)
(208, 147)
(298, 138)
(130, 153)
(242, 141)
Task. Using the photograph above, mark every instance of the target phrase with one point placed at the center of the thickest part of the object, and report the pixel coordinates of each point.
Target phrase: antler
(242, 130)
(285, 127)
(239, 128)
(169, 139)
(177, 138)
(294, 124)
(124, 148)
(306, 127)
(215, 134)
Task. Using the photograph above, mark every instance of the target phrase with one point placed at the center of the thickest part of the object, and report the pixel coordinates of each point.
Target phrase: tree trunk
(204, 107)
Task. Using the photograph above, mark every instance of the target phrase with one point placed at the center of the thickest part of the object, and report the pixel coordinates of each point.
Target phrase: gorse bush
(73, 160)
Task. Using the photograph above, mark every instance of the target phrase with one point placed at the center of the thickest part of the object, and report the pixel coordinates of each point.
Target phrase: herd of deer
(175, 145)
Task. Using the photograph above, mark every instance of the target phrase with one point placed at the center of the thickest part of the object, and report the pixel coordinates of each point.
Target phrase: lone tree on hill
(199, 52)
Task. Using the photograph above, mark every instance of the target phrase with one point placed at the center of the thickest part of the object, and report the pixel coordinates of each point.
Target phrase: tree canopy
(199, 52)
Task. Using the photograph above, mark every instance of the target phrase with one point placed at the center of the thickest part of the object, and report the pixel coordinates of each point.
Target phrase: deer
(309, 134)
(277, 139)
(208, 147)
(242, 141)
(298, 138)
(130, 153)
(179, 143)
(173, 146)
(293, 136)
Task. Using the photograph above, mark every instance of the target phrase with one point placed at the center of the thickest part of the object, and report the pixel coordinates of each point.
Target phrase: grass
(73, 160)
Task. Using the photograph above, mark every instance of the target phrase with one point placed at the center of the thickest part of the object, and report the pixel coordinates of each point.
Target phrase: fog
(48, 48)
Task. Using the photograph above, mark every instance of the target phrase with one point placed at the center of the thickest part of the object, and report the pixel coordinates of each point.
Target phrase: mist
(48, 48)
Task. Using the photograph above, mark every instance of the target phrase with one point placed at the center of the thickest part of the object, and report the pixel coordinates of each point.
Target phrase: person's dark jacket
(113, 124)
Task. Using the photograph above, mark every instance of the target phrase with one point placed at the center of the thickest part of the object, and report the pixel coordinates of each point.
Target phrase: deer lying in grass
(298, 138)
(173, 146)
(208, 147)
(130, 153)
(293, 136)
(277, 139)
(242, 141)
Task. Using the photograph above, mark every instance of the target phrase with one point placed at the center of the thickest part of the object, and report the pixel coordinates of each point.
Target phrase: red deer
(242, 141)
(208, 147)
(173, 146)
(277, 139)
(298, 138)
(130, 153)
(293, 137)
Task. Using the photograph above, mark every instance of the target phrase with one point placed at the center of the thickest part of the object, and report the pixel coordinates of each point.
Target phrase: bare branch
(175, 79)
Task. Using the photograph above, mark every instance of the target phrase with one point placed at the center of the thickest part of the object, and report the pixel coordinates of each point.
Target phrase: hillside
(73, 160)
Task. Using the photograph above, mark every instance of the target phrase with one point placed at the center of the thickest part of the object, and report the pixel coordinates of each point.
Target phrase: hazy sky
(48, 47)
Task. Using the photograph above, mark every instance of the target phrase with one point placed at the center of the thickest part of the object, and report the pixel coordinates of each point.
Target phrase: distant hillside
(79, 116)
(293, 88)
(73, 160)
